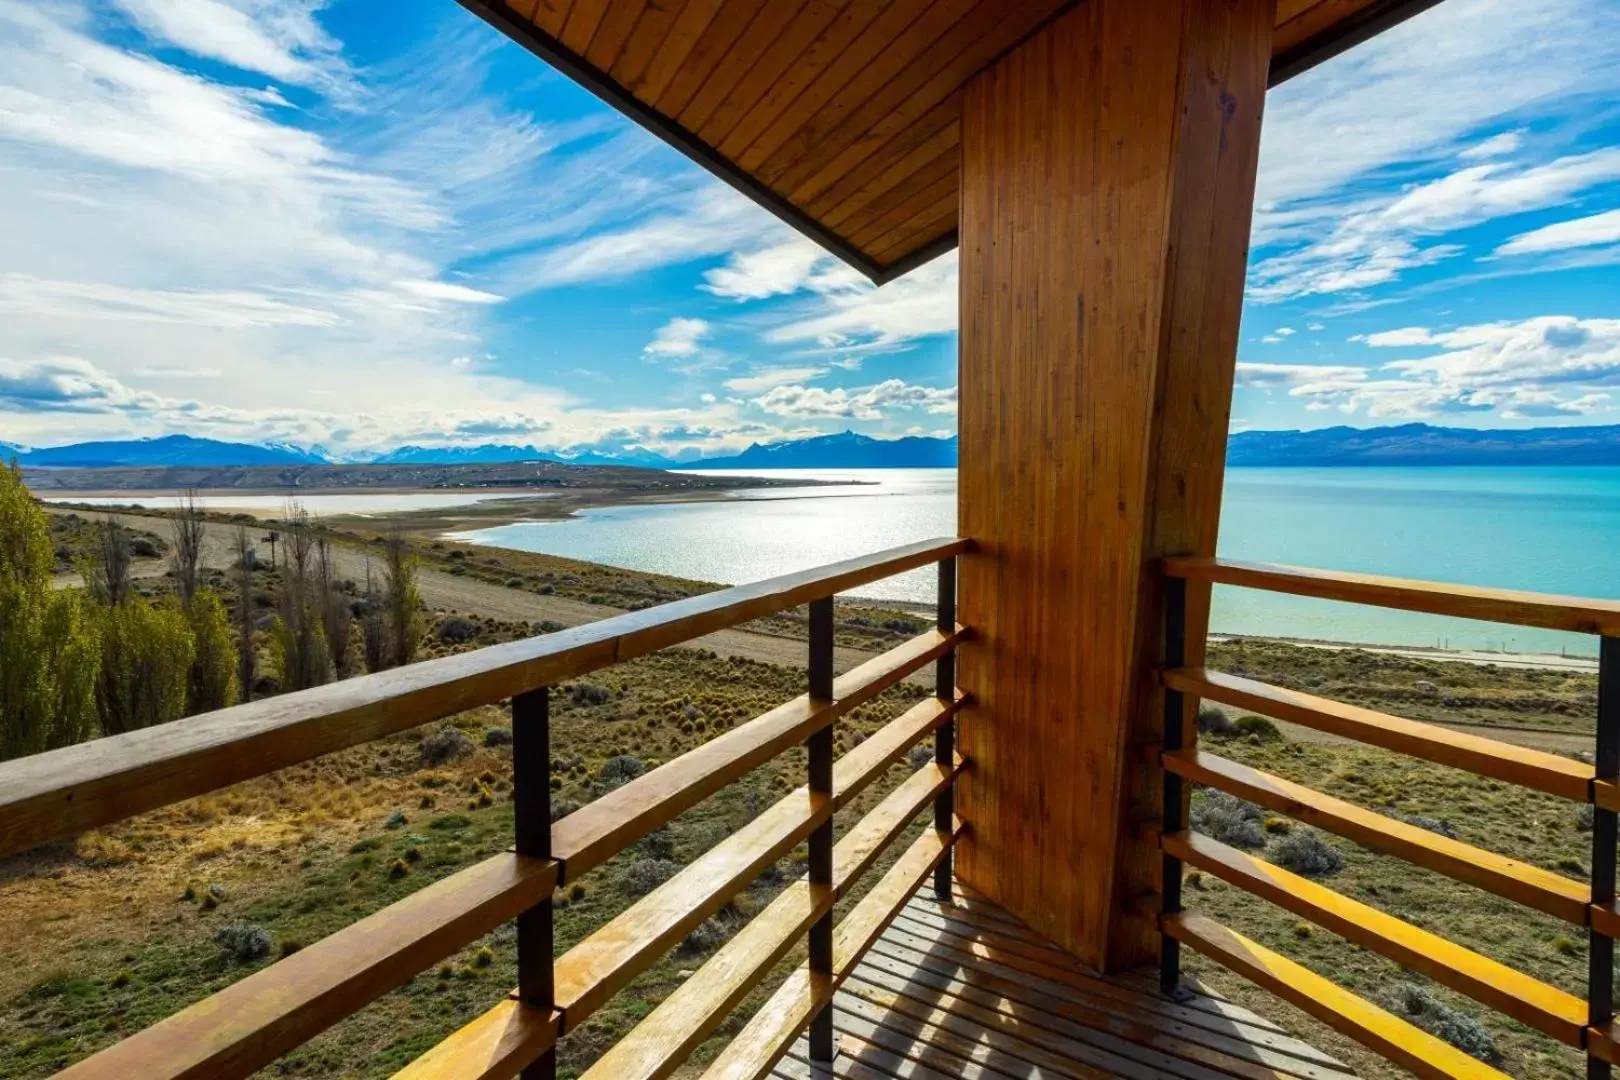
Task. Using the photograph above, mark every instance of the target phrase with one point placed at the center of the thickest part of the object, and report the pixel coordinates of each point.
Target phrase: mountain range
(1405, 445)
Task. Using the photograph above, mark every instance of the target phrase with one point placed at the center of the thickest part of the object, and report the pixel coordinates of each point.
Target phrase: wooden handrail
(1580, 615)
(64, 792)
(1530, 885)
(1530, 1001)
(250, 1023)
(1551, 773)
(1385, 1034)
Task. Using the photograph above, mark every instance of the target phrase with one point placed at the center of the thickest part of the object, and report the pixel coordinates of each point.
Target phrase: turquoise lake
(1545, 529)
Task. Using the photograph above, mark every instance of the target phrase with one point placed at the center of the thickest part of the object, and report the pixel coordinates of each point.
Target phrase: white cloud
(766, 378)
(1496, 146)
(677, 339)
(919, 304)
(1545, 367)
(278, 38)
(780, 270)
(1580, 232)
(1282, 333)
(868, 403)
(445, 290)
(1375, 245)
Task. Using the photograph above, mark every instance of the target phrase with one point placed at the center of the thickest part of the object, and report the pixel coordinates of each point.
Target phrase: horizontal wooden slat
(605, 827)
(1385, 1034)
(660, 1043)
(1606, 794)
(494, 1046)
(1603, 1042)
(1530, 1001)
(1521, 882)
(67, 791)
(250, 1023)
(1579, 615)
(1535, 769)
(1605, 919)
(605, 962)
(889, 744)
(767, 1036)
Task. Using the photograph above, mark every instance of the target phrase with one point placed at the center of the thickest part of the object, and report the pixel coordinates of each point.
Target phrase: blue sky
(362, 224)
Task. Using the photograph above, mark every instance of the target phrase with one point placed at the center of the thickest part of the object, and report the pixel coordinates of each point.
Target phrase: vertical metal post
(1174, 820)
(1605, 826)
(531, 797)
(945, 737)
(821, 841)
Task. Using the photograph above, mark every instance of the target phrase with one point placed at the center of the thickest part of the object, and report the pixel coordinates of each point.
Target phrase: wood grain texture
(1389, 1036)
(768, 1035)
(250, 1023)
(1530, 1001)
(1108, 167)
(1576, 614)
(1541, 771)
(65, 792)
(494, 1046)
(1529, 885)
(813, 101)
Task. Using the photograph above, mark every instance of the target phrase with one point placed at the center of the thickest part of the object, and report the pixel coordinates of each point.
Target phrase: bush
(1305, 852)
(244, 942)
(146, 655)
(455, 630)
(1256, 727)
(497, 736)
(1212, 720)
(584, 693)
(710, 934)
(658, 844)
(444, 744)
(644, 875)
(919, 756)
(1434, 825)
(1417, 1005)
(1228, 819)
(212, 682)
(620, 769)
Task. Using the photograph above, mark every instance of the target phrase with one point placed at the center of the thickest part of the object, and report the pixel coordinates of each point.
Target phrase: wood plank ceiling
(839, 116)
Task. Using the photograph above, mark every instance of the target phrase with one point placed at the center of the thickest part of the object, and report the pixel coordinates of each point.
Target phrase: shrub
(1417, 1005)
(1212, 720)
(450, 821)
(919, 756)
(146, 655)
(1584, 817)
(711, 933)
(444, 744)
(244, 942)
(1256, 727)
(398, 869)
(585, 693)
(396, 820)
(644, 875)
(658, 844)
(212, 681)
(455, 630)
(1228, 819)
(402, 600)
(1434, 825)
(620, 769)
(1305, 852)
(497, 736)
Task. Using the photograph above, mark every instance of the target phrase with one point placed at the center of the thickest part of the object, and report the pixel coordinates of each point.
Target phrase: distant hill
(846, 450)
(490, 454)
(170, 450)
(1423, 444)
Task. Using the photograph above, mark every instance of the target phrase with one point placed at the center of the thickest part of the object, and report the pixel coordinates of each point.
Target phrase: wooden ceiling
(839, 116)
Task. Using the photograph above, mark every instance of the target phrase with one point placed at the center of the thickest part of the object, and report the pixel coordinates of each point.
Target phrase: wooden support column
(1107, 187)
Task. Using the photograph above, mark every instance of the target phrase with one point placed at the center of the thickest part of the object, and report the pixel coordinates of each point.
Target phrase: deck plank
(965, 990)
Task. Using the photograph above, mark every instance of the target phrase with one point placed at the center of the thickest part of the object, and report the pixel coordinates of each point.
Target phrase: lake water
(1546, 529)
(359, 502)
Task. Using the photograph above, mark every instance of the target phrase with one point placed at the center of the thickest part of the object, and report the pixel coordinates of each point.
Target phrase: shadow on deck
(965, 990)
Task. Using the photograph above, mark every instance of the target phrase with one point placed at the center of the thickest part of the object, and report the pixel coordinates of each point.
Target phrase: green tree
(402, 600)
(146, 654)
(49, 651)
(212, 684)
(297, 640)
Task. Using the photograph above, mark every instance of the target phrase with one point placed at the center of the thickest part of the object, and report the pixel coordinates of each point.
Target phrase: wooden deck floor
(964, 990)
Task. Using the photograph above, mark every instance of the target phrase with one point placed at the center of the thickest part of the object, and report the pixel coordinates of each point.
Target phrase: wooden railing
(251, 1023)
(1587, 1024)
